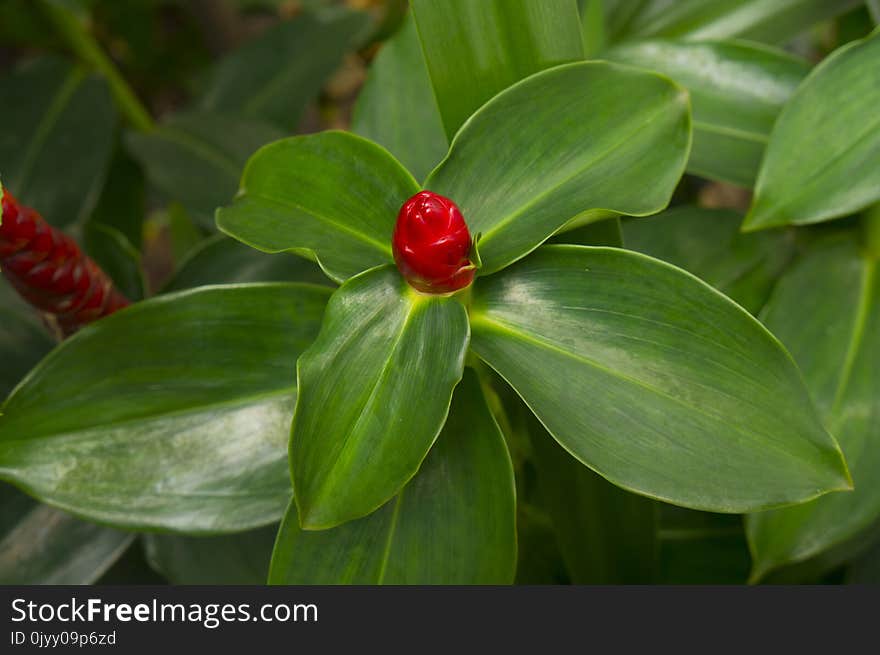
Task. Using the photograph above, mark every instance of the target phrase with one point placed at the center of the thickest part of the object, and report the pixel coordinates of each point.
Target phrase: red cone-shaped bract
(432, 244)
(49, 270)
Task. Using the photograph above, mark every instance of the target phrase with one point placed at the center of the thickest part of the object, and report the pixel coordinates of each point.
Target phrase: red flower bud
(432, 244)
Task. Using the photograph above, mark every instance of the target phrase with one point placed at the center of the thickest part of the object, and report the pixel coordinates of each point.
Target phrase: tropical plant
(496, 329)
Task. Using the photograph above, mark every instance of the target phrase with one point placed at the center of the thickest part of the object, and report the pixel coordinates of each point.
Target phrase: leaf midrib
(651, 117)
(805, 186)
(863, 313)
(392, 530)
(383, 247)
(202, 148)
(192, 409)
(527, 336)
(60, 100)
(739, 133)
(321, 491)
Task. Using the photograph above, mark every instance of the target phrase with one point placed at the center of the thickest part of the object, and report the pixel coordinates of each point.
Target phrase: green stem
(81, 42)
(871, 230)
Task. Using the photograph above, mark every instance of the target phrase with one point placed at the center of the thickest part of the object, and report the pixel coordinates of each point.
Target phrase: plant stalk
(87, 49)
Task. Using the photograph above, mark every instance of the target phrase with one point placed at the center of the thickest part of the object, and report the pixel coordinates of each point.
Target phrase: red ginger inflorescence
(431, 244)
(49, 270)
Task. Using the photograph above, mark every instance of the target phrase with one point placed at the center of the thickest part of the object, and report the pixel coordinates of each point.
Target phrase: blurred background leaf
(43, 545)
(55, 147)
(235, 559)
(272, 78)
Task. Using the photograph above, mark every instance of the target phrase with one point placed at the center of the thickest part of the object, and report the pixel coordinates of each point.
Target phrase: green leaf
(822, 161)
(655, 380)
(396, 106)
(761, 20)
(57, 138)
(452, 524)
(737, 90)
(836, 342)
(701, 548)
(23, 340)
(221, 260)
(476, 49)
(116, 256)
(331, 196)
(171, 414)
(122, 205)
(708, 243)
(374, 391)
(607, 232)
(42, 545)
(826, 564)
(607, 535)
(563, 143)
(274, 76)
(196, 158)
(233, 559)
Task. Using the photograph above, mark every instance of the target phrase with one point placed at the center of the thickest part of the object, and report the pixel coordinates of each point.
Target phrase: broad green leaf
(708, 243)
(374, 391)
(565, 142)
(827, 311)
(23, 340)
(116, 256)
(42, 545)
(823, 160)
(196, 158)
(762, 20)
(221, 260)
(452, 524)
(737, 90)
(274, 76)
(331, 196)
(655, 380)
(57, 138)
(171, 414)
(607, 535)
(233, 559)
(476, 49)
(701, 548)
(825, 565)
(396, 107)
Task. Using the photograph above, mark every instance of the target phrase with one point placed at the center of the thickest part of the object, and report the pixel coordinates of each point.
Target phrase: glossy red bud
(432, 244)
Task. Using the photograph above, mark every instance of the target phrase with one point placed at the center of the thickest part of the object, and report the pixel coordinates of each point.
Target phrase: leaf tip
(757, 573)
(759, 218)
